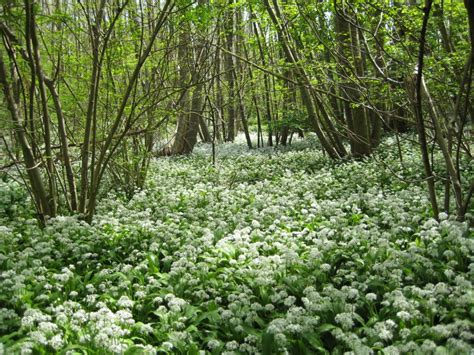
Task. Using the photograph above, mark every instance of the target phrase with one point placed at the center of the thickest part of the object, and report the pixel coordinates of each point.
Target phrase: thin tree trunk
(44, 107)
(440, 133)
(65, 156)
(206, 135)
(349, 44)
(268, 108)
(219, 126)
(229, 68)
(414, 86)
(93, 92)
(302, 76)
(107, 150)
(438, 15)
(32, 168)
(194, 116)
(179, 144)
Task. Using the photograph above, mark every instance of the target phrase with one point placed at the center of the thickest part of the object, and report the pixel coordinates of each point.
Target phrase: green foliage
(275, 251)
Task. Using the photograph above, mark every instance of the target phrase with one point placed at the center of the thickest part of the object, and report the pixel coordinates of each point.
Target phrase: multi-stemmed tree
(89, 85)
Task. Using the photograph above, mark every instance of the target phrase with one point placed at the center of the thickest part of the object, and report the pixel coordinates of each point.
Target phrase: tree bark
(179, 144)
(32, 167)
(65, 156)
(229, 68)
(107, 150)
(302, 77)
(92, 100)
(268, 107)
(414, 88)
(349, 46)
(31, 33)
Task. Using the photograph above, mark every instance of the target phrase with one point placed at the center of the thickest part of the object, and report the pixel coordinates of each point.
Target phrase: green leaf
(134, 350)
(268, 344)
(71, 347)
(315, 341)
(325, 328)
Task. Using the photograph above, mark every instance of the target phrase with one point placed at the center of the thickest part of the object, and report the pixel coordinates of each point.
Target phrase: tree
(96, 153)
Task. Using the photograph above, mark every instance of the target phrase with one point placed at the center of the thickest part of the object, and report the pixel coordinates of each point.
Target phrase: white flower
(149, 350)
(56, 342)
(125, 302)
(64, 276)
(226, 314)
(167, 345)
(325, 267)
(90, 299)
(404, 315)
(428, 346)
(345, 320)
(176, 304)
(352, 294)
(145, 328)
(61, 318)
(290, 300)
(269, 307)
(383, 329)
(31, 316)
(213, 344)
(140, 294)
(385, 334)
(26, 348)
(280, 339)
(39, 337)
(125, 317)
(80, 316)
(255, 224)
(443, 216)
(232, 345)
(154, 247)
(371, 297)
(117, 347)
(47, 327)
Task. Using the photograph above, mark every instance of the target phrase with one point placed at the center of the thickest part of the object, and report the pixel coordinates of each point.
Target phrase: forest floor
(270, 251)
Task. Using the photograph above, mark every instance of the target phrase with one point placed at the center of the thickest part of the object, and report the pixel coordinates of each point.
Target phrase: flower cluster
(269, 251)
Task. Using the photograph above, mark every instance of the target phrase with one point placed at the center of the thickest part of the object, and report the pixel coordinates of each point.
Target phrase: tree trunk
(268, 108)
(302, 77)
(206, 136)
(112, 142)
(229, 72)
(51, 171)
(194, 117)
(65, 156)
(414, 87)
(349, 46)
(91, 104)
(179, 144)
(32, 168)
